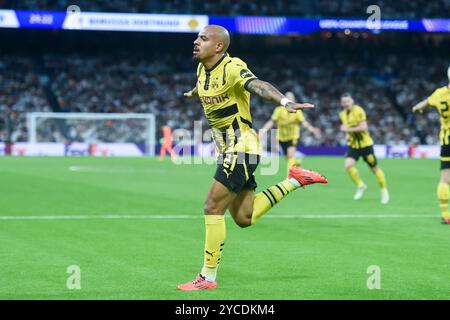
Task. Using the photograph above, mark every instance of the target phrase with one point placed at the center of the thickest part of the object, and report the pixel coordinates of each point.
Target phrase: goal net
(93, 128)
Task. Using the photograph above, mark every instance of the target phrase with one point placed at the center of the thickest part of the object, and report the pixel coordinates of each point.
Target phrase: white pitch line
(185, 216)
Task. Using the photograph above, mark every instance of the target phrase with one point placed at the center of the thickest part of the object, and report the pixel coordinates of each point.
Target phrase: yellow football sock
(270, 197)
(381, 179)
(354, 174)
(443, 194)
(214, 242)
(290, 163)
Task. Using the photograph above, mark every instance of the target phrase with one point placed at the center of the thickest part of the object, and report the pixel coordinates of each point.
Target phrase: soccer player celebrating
(288, 125)
(224, 85)
(360, 144)
(440, 99)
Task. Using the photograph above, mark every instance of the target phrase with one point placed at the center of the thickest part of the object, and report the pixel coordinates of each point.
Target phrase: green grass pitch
(316, 244)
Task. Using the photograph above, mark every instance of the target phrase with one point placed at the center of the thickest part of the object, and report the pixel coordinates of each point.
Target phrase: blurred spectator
(20, 92)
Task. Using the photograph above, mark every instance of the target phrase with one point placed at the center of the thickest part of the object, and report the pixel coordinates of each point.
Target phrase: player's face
(204, 47)
(347, 102)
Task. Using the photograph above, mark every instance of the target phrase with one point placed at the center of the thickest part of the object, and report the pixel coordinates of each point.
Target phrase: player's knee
(445, 179)
(244, 222)
(243, 219)
(211, 207)
(348, 165)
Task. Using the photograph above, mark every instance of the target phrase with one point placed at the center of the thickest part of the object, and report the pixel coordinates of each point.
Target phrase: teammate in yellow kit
(288, 134)
(360, 144)
(224, 85)
(440, 99)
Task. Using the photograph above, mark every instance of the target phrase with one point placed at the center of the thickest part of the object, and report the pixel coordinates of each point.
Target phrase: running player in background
(360, 144)
(288, 133)
(440, 99)
(224, 85)
(166, 145)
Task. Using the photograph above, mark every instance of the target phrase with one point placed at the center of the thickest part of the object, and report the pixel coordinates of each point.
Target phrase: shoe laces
(197, 280)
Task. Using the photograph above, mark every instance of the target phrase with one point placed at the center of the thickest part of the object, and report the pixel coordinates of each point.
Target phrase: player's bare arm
(268, 92)
(361, 127)
(420, 106)
(268, 125)
(315, 131)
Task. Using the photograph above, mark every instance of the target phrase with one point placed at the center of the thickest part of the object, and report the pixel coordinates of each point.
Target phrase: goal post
(138, 128)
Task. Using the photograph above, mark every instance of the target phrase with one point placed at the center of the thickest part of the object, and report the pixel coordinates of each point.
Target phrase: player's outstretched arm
(191, 93)
(268, 92)
(267, 126)
(308, 126)
(420, 106)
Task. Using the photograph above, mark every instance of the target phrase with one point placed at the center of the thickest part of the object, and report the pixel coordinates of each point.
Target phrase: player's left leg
(162, 152)
(170, 150)
(247, 208)
(443, 193)
(291, 160)
(371, 160)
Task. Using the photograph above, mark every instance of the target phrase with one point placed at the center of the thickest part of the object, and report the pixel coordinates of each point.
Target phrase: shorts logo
(245, 73)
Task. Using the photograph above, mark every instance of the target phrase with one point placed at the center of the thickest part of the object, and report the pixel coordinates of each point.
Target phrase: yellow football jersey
(226, 102)
(288, 123)
(440, 99)
(352, 118)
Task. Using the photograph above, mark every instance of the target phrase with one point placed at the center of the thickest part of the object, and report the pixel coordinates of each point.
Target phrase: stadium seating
(131, 82)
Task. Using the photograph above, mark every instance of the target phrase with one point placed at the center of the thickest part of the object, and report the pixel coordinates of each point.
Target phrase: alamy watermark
(373, 22)
(374, 279)
(73, 282)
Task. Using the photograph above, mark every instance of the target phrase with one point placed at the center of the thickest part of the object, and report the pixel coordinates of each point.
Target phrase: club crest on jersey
(245, 73)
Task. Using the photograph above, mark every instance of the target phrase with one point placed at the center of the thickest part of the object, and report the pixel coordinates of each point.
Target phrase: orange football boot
(199, 283)
(306, 177)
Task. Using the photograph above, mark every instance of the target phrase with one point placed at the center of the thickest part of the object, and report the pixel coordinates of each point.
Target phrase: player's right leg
(218, 200)
(443, 193)
(350, 166)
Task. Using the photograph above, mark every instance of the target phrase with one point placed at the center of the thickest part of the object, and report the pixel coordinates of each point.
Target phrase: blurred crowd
(386, 84)
(20, 92)
(303, 8)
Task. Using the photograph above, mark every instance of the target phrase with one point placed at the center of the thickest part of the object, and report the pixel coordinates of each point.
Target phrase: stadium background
(146, 72)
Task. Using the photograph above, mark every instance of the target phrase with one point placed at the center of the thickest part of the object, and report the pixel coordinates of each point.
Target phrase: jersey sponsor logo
(245, 73)
(214, 99)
